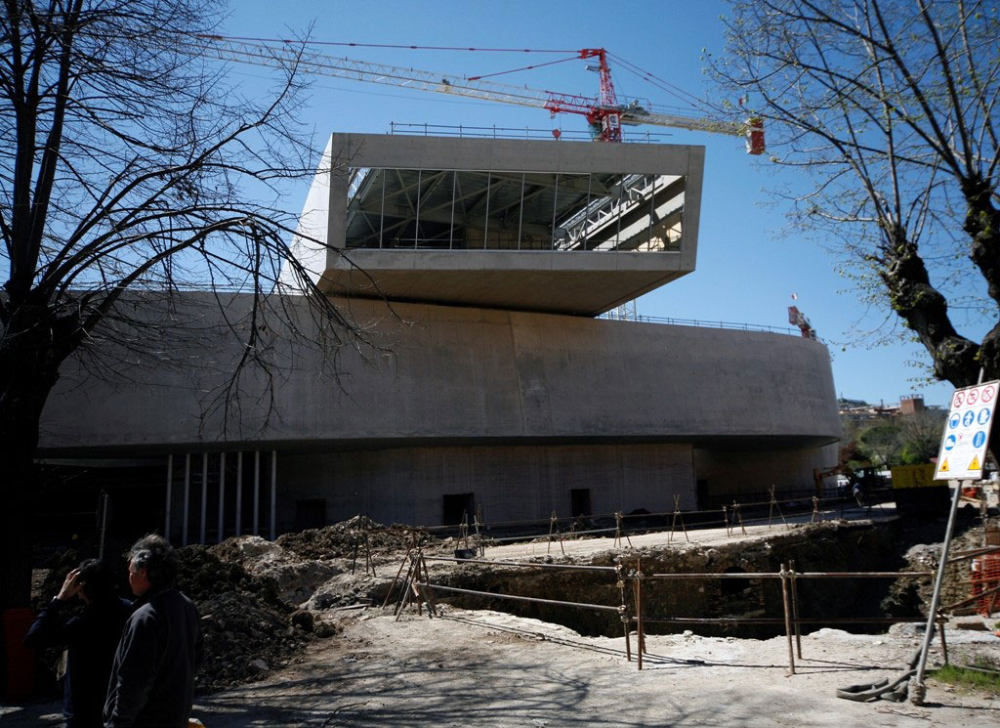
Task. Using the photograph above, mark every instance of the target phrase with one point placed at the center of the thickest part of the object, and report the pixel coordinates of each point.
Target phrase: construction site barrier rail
(791, 619)
(420, 588)
(730, 516)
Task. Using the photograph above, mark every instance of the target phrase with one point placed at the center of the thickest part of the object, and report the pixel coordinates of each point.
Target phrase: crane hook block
(755, 135)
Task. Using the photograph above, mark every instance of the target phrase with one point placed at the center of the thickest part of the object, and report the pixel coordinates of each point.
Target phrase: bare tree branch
(136, 170)
(896, 92)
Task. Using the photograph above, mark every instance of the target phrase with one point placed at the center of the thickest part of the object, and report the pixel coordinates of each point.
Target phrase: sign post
(961, 457)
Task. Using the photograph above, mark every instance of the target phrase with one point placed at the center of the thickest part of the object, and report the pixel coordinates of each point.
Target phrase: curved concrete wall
(447, 373)
(519, 412)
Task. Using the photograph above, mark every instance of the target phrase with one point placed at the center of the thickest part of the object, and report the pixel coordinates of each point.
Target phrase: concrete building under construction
(478, 268)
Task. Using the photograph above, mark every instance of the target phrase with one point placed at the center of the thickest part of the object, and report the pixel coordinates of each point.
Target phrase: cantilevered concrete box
(548, 226)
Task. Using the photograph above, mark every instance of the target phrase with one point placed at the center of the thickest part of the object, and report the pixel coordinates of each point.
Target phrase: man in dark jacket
(152, 681)
(89, 636)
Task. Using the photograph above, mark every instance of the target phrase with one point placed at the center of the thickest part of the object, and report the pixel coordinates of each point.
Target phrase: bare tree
(887, 110)
(128, 165)
(920, 435)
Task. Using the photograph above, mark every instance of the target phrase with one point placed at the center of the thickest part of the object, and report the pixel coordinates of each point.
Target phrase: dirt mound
(246, 627)
(248, 591)
(350, 539)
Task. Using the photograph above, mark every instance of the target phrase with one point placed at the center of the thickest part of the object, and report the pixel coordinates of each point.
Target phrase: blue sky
(748, 268)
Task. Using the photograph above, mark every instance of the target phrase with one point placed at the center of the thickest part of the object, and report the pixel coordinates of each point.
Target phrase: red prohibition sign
(987, 395)
(959, 399)
(973, 396)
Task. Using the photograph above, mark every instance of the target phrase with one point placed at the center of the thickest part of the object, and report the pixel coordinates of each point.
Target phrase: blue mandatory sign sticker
(968, 418)
(979, 439)
(984, 416)
(955, 421)
(949, 442)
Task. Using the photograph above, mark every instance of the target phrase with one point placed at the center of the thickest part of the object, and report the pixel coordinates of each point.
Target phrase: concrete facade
(486, 384)
(515, 408)
(446, 373)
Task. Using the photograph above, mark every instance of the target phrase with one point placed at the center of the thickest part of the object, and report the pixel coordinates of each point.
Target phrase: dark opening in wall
(580, 502)
(701, 488)
(456, 506)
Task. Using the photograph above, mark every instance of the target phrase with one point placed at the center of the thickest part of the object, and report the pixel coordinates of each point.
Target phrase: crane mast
(604, 114)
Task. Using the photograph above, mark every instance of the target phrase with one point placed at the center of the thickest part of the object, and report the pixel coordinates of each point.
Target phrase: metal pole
(944, 642)
(919, 690)
(170, 480)
(239, 492)
(187, 498)
(221, 532)
(486, 215)
(555, 207)
(788, 620)
(381, 213)
(451, 221)
(626, 620)
(204, 496)
(520, 212)
(795, 611)
(640, 638)
(416, 217)
(256, 492)
(274, 493)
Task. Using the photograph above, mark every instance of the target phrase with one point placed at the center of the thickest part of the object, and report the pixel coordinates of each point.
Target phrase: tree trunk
(18, 439)
(982, 223)
(18, 520)
(925, 311)
(34, 343)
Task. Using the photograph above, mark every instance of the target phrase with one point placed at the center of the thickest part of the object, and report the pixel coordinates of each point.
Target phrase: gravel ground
(493, 669)
(485, 668)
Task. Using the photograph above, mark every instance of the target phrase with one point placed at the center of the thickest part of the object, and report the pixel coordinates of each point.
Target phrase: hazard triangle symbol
(944, 467)
(974, 465)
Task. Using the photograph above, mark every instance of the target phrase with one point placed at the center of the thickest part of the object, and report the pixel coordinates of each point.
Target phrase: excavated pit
(263, 601)
(829, 547)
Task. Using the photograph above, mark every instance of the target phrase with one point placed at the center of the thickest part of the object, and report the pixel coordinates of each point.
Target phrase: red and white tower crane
(604, 114)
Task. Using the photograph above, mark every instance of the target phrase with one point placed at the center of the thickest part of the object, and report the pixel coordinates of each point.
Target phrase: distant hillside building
(495, 387)
(860, 411)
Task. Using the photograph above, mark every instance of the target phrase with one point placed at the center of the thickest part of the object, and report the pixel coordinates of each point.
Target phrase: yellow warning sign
(944, 467)
(974, 465)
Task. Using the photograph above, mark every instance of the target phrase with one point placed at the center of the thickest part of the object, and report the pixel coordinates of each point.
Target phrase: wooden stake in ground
(678, 516)
(618, 531)
(774, 504)
(554, 530)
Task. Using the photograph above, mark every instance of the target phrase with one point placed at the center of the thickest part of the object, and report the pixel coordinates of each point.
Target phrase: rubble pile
(259, 599)
(295, 578)
(956, 587)
(247, 630)
(349, 539)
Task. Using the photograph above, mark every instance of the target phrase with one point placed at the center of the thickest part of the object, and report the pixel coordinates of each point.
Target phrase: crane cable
(379, 45)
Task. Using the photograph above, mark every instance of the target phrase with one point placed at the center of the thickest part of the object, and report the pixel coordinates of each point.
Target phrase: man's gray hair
(155, 554)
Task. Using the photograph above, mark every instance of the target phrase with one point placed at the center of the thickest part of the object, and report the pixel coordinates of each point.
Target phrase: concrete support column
(170, 484)
(187, 498)
(221, 534)
(256, 492)
(274, 494)
(239, 493)
(204, 496)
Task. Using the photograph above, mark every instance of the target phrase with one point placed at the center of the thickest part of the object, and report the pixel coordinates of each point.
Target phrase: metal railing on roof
(501, 132)
(702, 323)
